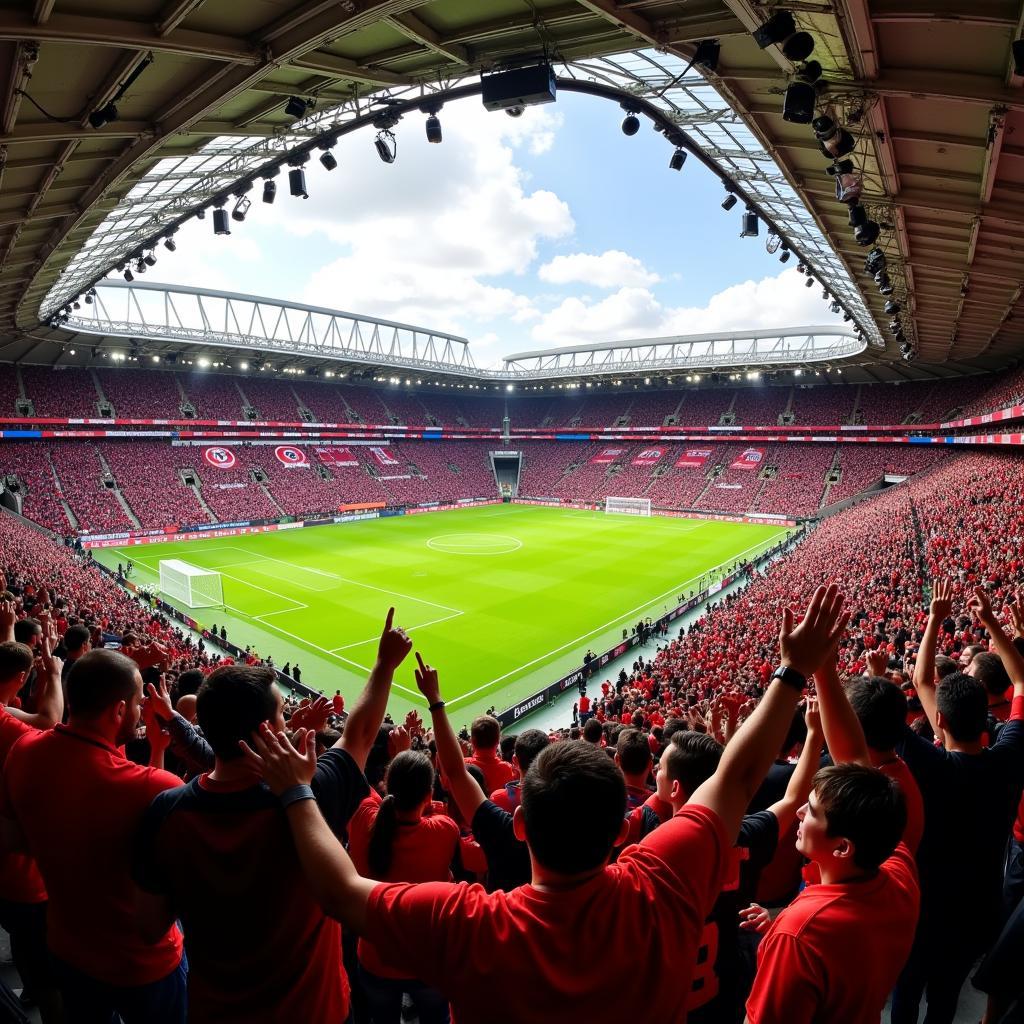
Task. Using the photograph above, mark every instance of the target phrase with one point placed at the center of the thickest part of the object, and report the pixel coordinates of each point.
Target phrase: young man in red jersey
(77, 801)
(586, 940)
(216, 854)
(528, 745)
(485, 735)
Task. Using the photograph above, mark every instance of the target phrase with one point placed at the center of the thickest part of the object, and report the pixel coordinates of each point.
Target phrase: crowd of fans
(803, 804)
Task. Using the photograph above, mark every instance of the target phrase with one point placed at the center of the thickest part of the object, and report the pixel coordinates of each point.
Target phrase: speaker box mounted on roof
(519, 87)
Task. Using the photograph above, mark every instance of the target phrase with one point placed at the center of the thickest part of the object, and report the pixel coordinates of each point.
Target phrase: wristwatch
(790, 677)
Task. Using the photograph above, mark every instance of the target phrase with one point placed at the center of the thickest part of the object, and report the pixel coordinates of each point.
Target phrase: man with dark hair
(835, 951)
(970, 795)
(77, 642)
(528, 745)
(77, 801)
(206, 850)
(633, 756)
(988, 669)
(485, 735)
(593, 732)
(22, 892)
(502, 957)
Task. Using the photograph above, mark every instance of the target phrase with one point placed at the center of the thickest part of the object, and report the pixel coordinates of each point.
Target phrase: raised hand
(942, 598)
(8, 615)
(877, 662)
(311, 715)
(981, 608)
(46, 662)
(158, 701)
(159, 738)
(394, 644)
(812, 717)
(398, 740)
(806, 646)
(1016, 610)
(426, 680)
(281, 764)
(414, 724)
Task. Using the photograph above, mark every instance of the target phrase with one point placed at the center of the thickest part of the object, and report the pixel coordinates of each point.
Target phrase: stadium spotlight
(778, 27)
(104, 115)
(241, 208)
(170, 245)
(386, 145)
(140, 267)
(784, 256)
(297, 183)
(729, 201)
(630, 124)
(88, 298)
(220, 222)
(867, 234)
(750, 225)
(809, 283)
(798, 47)
(874, 261)
(297, 106)
(201, 213)
(269, 190)
(858, 216)
(150, 260)
(892, 307)
(433, 128)
(510, 387)
(128, 275)
(833, 140)
(834, 307)
(328, 160)
(678, 159)
(798, 103)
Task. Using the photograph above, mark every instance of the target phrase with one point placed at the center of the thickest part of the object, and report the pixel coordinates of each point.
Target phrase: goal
(193, 586)
(628, 506)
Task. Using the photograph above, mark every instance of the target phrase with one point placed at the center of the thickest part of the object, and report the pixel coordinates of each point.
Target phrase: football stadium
(508, 511)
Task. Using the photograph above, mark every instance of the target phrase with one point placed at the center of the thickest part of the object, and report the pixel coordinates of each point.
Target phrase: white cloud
(611, 269)
(204, 260)
(634, 312)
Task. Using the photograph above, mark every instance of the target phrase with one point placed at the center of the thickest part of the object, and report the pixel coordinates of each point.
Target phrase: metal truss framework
(251, 324)
(768, 349)
(179, 185)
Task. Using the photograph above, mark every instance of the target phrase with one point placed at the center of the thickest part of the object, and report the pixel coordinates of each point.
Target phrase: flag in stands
(292, 457)
(606, 455)
(693, 458)
(383, 456)
(222, 458)
(752, 458)
(336, 456)
(648, 457)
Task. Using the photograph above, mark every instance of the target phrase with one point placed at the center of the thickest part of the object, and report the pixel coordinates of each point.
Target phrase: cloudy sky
(550, 229)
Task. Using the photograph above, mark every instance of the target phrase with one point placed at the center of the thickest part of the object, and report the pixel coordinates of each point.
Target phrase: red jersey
(835, 952)
(899, 771)
(79, 801)
(501, 957)
(496, 772)
(20, 881)
(423, 852)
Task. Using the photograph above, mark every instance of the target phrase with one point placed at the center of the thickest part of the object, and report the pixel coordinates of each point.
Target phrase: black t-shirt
(508, 859)
(970, 801)
(718, 958)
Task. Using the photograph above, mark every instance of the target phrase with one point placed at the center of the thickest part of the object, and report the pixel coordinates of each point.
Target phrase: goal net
(628, 506)
(193, 586)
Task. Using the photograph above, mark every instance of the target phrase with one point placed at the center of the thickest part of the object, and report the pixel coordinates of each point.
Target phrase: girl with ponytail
(396, 841)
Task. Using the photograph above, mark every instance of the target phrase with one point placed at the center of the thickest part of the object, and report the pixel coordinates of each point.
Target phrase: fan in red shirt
(485, 735)
(393, 841)
(528, 745)
(78, 800)
(586, 939)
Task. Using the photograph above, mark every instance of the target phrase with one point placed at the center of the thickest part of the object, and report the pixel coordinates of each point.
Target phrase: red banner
(383, 456)
(336, 456)
(752, 458)
(606, 455)
(220, 458)
(648, 457)
(694, 458)
(291, 457)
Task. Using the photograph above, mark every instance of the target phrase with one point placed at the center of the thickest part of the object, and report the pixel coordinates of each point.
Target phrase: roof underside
(927, 89)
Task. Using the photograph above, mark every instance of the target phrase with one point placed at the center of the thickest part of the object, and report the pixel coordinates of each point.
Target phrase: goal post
(194, 586)
(628, 506)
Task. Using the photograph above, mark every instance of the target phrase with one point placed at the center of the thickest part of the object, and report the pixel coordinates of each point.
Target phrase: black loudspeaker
(520, 87)
(798, 105)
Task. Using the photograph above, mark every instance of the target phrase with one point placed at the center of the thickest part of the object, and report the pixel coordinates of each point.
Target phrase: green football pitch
(502, 599)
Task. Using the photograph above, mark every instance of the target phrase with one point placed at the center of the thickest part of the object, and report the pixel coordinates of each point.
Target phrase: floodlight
(386, 145)
(729, 202)
(170, 245)
(104, 115)
(128, 275)
(297, 106)
(269, 190)
(892, 307)
(433, 128)
(778, 27)
(678, 159)
(784, 256)
(858, 216)
(798, 47)
(329, 161)
(798, 103)
(241, 209)
(834, 140)
(750, 225)
(867, 234)
(630, 124)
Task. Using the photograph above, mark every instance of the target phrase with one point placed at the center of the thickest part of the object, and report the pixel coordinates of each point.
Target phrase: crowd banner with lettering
(336, 456)
(648, 456)
(752, 458)
(383, 457)
(694, 458)
(220, 458)
(291, 457)
(606, 455)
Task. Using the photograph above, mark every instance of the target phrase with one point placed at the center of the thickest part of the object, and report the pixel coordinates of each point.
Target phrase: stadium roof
(926, 90)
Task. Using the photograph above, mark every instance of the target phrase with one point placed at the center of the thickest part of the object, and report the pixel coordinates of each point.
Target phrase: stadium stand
(272, 400)
(214, 397)
(67, 392)
(141, 394)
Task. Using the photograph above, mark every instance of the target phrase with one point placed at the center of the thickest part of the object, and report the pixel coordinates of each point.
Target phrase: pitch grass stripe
(678, 589)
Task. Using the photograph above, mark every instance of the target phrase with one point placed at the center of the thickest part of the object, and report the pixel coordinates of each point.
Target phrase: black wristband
(790, 677)
(295, 794)
(436, 706)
